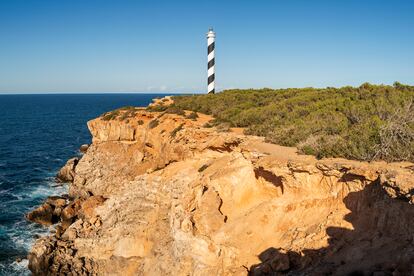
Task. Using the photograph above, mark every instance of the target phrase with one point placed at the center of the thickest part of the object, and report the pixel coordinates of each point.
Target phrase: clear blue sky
(153, 46)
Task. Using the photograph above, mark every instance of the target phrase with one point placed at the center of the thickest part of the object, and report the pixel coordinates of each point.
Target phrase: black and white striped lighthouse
(210, 57)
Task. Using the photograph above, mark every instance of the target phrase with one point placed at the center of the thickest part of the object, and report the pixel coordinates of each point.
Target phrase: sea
(38, 133)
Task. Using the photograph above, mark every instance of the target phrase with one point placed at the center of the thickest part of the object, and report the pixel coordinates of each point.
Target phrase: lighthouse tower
(210, 57)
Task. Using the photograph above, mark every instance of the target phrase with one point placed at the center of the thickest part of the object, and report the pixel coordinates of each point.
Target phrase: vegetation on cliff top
(369, 122)
(123, 113)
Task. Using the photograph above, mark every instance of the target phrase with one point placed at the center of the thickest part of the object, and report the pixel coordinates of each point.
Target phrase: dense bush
(367, 122)
(122, 113)
(193, 116)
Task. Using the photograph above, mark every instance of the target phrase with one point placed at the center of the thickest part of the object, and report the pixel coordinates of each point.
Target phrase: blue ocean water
(38, 133)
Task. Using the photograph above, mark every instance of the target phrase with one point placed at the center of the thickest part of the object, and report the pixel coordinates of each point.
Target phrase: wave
(15, 268)
(18, 235)
(43, 131)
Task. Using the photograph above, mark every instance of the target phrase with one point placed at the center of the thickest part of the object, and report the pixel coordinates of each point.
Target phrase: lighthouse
(211, 35)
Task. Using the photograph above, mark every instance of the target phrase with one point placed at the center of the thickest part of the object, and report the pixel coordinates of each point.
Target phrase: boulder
(67, 172)
(399, 184)
(40, 256)
(70, 234)
(59, 231)
(56, 201)
(42, 214)
(84, 148)
(69, 212)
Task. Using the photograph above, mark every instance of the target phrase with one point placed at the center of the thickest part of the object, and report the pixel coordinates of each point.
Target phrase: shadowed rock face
(180, 199)
(67, 172)
(379, 241)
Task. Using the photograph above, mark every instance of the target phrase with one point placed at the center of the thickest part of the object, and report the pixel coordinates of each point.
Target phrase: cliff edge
(159, 194)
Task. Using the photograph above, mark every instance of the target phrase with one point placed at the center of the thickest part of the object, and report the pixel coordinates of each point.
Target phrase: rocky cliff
(159, 194)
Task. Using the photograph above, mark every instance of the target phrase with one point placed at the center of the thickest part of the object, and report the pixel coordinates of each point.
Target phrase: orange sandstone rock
(180, 199)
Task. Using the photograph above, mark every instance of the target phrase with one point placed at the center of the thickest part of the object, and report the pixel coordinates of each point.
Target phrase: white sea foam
(5, 191)
(23, 233)
(20, 268)
(48, 189)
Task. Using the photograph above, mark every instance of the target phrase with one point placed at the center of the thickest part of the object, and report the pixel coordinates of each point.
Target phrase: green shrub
(112, 115)
(128, 107)
(208, 125)
(153, 124)
(157, 108)
(127, 114)
(223, 127)
(193, 116)
(176, 130)
(350, 122)
(121, 113)
(175, 110)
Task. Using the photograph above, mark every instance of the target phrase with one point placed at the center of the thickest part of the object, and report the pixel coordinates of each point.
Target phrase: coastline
(39, 133)
(195, 200)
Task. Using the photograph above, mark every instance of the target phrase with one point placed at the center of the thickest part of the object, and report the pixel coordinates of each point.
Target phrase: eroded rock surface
(174, 198)
(67, 172)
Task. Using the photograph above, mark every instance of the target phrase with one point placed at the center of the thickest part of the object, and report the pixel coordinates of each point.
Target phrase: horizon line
(199, 92)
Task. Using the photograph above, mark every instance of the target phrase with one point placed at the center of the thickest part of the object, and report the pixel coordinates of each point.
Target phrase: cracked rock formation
(159, 194)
